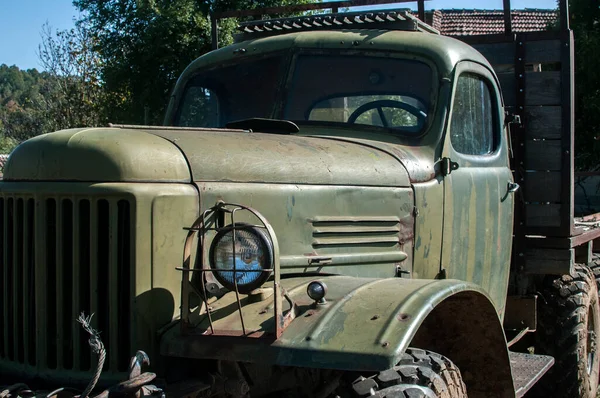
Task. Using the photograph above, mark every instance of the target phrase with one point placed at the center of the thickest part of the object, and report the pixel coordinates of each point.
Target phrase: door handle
(513, 187)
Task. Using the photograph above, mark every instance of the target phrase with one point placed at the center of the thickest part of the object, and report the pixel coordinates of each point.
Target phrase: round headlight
(244, 259)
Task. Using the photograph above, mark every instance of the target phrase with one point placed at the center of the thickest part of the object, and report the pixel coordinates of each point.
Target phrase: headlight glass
(253, 254)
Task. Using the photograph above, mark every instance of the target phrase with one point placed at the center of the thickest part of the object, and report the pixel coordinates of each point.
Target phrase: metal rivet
(520, 254)
(384, 345)
(355, 42)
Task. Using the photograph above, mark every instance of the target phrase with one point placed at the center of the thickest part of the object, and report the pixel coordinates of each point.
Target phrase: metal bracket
(441, 274)
(448, 166)
(400, 271)
(512, 118)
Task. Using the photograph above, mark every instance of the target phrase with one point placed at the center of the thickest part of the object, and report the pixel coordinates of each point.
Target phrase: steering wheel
(386, 103)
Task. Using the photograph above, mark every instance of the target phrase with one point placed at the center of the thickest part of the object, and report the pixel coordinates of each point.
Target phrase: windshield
(347, 90)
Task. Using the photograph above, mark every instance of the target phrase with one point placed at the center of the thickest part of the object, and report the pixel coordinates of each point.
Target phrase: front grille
(61, 256)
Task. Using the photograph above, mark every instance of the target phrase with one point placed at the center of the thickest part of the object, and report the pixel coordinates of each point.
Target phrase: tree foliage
(585, 22)
(67, 94)
(146, 44)
(22, 94)
(76, 96)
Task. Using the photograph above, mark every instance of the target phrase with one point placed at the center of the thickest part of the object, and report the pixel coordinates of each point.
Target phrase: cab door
(478, 185)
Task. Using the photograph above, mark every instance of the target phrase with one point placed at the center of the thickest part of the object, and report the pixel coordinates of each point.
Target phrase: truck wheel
(568, 329)
(595, 267)
(418, 374)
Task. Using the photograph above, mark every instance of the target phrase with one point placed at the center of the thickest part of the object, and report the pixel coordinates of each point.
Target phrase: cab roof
(444, 52)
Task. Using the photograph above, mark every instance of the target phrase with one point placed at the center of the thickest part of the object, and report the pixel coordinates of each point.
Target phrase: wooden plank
(543, 155)
(542, 88)
(549, 242)
(542, 187)
(543, 122)
(498, 53)
(549, 261)
(583, 253)
(507, 85)
(542, 215)
(542, 51)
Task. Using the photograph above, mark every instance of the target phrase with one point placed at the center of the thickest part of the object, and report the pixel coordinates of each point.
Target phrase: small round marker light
(317, 290)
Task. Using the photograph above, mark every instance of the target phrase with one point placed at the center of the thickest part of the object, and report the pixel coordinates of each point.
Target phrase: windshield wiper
(263, 125)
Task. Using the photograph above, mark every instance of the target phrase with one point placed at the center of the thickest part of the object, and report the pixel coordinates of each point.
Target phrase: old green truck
(345, 204)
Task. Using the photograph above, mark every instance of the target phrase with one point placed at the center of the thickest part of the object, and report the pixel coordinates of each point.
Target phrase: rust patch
(407, 230)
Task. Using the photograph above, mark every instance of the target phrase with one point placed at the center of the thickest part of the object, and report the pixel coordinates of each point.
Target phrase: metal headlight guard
(241, 257)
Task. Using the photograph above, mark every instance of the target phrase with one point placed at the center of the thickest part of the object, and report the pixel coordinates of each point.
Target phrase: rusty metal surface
(527, 369)
(478, 213)
(387, 311)
(284, 159)
(382, 19)
(345, 209)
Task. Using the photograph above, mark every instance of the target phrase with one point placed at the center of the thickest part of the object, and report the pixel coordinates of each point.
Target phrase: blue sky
(21, 22)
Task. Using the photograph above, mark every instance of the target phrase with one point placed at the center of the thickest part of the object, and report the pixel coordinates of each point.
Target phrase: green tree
(585, 22)
(73, 94)
(21, 93)
(144, 46)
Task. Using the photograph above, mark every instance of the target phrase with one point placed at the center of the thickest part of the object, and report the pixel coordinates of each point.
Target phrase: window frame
(400, 55)
(499, 156)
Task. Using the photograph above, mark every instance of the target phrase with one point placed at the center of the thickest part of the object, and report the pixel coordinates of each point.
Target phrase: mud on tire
(568, 329)
(418, 374)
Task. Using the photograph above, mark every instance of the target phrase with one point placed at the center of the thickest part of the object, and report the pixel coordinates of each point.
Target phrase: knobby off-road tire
(568, 329)
(595, 267)
(418, 374)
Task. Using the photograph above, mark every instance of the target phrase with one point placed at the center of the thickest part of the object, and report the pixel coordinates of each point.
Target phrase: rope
(97, 347)
(136, 386)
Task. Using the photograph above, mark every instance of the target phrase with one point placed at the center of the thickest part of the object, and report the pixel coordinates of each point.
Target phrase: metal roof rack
(386, 19)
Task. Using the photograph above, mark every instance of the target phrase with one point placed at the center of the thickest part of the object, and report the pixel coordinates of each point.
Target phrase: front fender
(367, 324)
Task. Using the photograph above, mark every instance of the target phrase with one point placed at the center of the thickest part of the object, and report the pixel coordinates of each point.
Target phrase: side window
(472, 126)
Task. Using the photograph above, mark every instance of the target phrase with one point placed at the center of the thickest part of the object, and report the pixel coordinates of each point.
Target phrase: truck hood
(241, 156)
(97, 155)
(179, 155)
